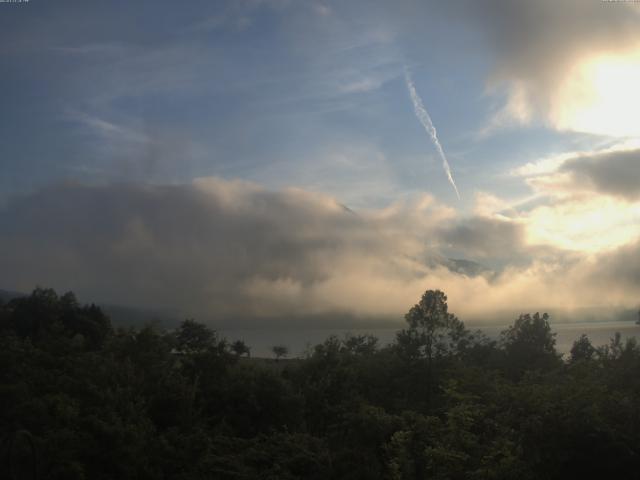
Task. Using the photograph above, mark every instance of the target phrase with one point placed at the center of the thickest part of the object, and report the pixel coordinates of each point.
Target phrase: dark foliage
(80, 400)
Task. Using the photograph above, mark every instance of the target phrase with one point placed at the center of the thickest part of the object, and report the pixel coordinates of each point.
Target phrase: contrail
(426, 122)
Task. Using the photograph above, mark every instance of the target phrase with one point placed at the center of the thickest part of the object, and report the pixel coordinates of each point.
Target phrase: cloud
(485, 238)
(573, 64)
(234, 253)
(619, 269)
(587, 201)
(205, 247)
(612, 173)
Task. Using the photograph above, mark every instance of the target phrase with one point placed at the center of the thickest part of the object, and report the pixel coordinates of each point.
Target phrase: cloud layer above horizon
(235, 253)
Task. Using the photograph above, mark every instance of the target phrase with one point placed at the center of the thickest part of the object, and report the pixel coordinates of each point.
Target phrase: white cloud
(570, 64)
(586, 201)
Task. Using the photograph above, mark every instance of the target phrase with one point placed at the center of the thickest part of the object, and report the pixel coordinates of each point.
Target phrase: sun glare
(601, 95)
(594, 225)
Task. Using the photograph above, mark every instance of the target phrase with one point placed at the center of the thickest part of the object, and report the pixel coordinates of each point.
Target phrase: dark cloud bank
(612, 173)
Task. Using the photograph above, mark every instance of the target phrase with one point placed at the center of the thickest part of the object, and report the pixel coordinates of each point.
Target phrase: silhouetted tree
(433, 336)
(35, 315)
(194, 337)
(433, 331)
(43, 314)
(360, 344)
(240, 348)
(582, 349)
(280, 351)
(529, 344)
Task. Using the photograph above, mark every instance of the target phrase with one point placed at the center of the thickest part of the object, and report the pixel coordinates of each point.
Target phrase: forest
(82, 399)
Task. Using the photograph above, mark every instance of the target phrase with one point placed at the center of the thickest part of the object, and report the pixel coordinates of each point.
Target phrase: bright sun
(601, 95)
(595, 224)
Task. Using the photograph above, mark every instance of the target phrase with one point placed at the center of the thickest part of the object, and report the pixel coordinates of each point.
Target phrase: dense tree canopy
(80, 400)
(529, 344)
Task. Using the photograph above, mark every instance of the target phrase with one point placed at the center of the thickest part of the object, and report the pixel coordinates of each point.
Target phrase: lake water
(298, 341)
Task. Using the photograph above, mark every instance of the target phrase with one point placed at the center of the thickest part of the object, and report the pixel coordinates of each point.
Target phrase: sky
(263, 162)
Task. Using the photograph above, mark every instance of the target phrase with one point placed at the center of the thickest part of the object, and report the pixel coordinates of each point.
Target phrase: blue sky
(276, 92)
(309, 98)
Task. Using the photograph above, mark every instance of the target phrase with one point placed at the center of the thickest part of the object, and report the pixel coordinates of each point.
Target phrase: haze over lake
(299, 342)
